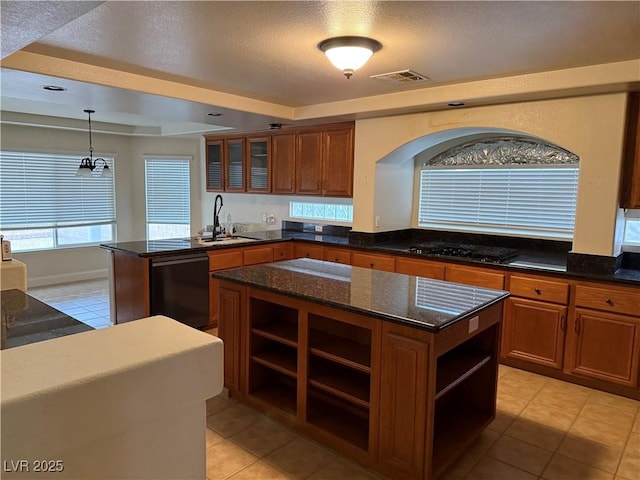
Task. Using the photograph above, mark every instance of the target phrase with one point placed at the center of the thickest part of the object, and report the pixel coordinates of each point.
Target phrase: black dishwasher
(180, 288)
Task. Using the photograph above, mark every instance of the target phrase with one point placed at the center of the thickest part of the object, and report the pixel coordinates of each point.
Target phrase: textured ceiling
(267, 50)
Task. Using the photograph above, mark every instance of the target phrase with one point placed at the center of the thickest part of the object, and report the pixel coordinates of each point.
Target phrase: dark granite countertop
(419, 302)
(28, 320)
(528, 261)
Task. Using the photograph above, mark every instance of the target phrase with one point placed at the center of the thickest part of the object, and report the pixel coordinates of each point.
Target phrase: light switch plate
(319, 228)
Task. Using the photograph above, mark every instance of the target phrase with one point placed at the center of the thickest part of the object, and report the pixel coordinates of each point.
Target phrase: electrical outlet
(377, 221)
(319, 228)
(264, 217)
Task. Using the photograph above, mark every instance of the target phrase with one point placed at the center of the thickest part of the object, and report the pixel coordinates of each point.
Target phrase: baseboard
(66, 278)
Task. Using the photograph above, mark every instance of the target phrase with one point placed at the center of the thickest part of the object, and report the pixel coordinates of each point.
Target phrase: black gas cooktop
(482, 253)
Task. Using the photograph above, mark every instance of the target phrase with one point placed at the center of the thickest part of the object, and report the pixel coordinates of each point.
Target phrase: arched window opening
(506, 185)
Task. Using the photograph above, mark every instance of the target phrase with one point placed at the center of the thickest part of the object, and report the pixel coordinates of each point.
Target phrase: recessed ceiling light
(54, 88)
(214, 114)
(456, 104)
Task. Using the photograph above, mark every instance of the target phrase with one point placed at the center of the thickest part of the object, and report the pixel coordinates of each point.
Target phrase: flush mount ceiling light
(349, 53)
(54, 88)
(87, 164)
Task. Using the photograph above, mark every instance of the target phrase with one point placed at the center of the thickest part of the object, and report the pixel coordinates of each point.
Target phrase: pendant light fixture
(87, 164)
(349, 53)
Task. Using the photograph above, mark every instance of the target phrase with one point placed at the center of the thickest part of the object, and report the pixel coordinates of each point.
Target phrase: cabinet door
(309, 163)
(337, 255)
(403, 402)
(304, 250)
(282, 251)
(256, 255)
(229, 309)
(420, 268)
(234, 165)
(215, 181)
(259, 164)
(378, 262)
(474, 276)
(604, 346)
(630, 188)
(337, 169)
(283, 166)
(534, 332)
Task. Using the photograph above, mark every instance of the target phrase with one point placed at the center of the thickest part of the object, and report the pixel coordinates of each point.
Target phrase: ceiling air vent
(401, 77)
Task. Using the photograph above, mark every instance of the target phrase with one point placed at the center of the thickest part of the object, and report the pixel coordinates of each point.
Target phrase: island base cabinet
(230, 309)
(604, 346)
(403, 401)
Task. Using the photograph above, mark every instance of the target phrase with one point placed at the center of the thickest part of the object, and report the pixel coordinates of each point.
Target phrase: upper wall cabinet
(225, 164)
(259, 164)
(324, 161)
(630, 187)
(309, 161)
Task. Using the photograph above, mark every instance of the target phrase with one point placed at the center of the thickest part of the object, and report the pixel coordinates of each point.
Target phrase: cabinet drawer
(221, 260)
(539, 289)
(420, 268)
(609, 300)
(379, 262)
(474, 276)
(337, 255)
(282, 252)
(303, 250)
(253, 256)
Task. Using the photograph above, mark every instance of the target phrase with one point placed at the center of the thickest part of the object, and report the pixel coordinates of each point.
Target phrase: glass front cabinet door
(234, 165)
(258, 164)
(215, 182)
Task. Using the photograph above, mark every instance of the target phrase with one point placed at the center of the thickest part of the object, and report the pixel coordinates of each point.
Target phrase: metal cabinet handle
(577, 326)
(609, 302)
(563, 323)
(371, 264)
(538, 291)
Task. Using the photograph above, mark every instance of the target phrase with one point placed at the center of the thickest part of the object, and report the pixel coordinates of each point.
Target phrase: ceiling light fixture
(87, 164)
(349, 53)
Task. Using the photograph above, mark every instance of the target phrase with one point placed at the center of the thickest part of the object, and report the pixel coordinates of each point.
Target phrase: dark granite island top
(26, 320)
(414, 301)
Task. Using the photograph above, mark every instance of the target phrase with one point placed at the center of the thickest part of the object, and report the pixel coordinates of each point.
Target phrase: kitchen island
(396, 371)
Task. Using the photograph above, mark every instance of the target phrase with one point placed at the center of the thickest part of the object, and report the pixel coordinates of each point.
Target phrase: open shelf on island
(346, 383)
(284, 333)
(340, 342)
(456, 370)
(273, 388)
(282, 360)
(344, 421)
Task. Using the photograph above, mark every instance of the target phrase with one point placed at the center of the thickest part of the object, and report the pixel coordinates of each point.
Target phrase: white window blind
(41, 190)
(521, 200)
(168, 194)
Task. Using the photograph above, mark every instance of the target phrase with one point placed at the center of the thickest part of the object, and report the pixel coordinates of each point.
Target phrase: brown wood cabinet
(420, 268)
(398, 399)
(604, 346)
(603, 341)
(535, 320)
(474, 276)
(630, 181)
(337, 255)
(403, 400)
(258, 164)
(308, 250)
(308, 161)
(324, 162)
(373, 260)
(283, 163)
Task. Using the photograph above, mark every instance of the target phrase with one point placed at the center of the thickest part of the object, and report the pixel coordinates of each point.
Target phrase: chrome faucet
(216, 215)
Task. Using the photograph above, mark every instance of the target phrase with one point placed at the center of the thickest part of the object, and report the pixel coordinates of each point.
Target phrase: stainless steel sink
(226, 240)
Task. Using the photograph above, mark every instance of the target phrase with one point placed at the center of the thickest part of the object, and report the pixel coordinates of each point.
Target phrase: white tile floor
(86, 301)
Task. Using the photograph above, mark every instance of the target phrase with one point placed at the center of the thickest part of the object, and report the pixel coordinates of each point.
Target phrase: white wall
(70, 264)
(591, 127)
